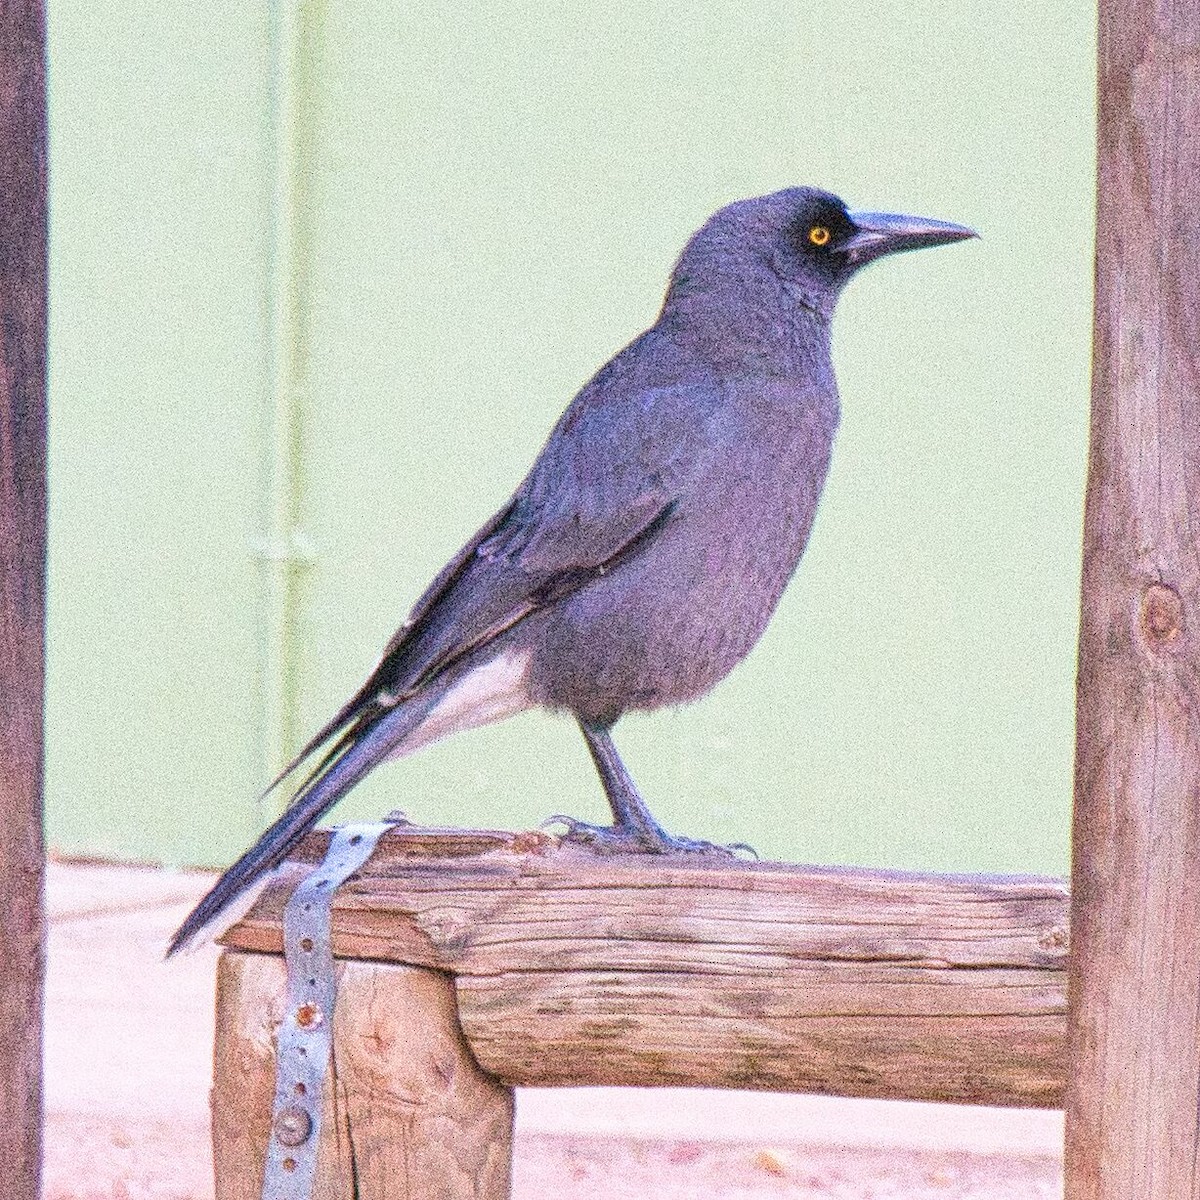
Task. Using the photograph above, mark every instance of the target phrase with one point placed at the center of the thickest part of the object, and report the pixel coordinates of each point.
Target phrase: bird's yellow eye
(819, 235)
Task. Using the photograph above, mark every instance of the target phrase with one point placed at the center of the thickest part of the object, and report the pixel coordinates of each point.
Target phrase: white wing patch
(497, 689)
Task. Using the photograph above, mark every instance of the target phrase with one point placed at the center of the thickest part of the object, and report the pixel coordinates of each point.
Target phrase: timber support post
(1133, 1102)
(407, 1112)
(22, 587)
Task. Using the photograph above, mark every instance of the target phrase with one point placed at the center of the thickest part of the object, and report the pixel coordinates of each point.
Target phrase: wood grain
(572, 969)
(22, 586)
(408, 1114)
(1134, 1096)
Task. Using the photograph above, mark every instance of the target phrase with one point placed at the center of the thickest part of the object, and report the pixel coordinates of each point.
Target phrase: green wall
(158, 202)
(487, 202)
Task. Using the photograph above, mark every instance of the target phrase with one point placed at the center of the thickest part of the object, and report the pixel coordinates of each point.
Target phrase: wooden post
(1133, 1100)
(22, 586)
(408, 1114)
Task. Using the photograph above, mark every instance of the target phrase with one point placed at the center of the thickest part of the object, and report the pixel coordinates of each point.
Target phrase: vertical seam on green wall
(284, 552)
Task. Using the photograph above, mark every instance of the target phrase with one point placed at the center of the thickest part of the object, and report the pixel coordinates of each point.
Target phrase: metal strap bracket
(306, 1035)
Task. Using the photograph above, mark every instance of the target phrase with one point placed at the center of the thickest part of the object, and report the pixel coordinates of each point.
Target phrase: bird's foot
(629, 839)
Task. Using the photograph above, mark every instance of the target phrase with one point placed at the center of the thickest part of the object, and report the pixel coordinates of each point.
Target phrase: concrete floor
(128, 1060)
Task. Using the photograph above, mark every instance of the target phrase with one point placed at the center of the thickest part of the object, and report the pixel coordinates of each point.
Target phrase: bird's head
(800, 244)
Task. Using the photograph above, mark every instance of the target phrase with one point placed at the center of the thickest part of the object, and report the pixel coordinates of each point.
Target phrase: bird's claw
(607, 839)
(743, 847)
(617, 839)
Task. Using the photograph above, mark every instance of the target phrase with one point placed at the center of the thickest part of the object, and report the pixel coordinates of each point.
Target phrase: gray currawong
(643, 554)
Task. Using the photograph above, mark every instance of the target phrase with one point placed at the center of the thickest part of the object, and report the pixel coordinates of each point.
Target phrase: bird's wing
(605, 484)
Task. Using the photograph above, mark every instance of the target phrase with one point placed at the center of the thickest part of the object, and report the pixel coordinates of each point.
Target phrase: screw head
(292, 1126)
(309, 1016)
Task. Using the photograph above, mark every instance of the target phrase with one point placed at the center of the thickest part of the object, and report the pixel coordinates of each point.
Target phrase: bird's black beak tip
(877, 234)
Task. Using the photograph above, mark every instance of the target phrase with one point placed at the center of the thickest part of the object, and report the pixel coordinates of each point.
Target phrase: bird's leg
(634, 830)
(630, 814)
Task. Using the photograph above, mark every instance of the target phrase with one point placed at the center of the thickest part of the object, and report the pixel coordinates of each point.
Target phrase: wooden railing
(473, 963)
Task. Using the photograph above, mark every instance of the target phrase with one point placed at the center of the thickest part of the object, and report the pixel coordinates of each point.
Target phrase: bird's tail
(359, 751)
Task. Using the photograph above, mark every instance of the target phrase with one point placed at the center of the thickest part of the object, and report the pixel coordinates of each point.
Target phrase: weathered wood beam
(1133, 1105)
(572, 969)
(22, 586)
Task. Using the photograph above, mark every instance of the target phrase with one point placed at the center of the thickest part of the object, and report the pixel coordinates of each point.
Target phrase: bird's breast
(673, 620)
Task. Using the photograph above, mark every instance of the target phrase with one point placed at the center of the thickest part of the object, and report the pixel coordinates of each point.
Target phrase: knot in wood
(1054, 938)
(1162, 614)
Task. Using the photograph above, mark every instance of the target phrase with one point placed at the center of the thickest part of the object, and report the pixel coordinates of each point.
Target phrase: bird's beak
(877, 234)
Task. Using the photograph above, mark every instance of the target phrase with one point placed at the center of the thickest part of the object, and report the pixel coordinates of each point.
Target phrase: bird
(643, 554)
